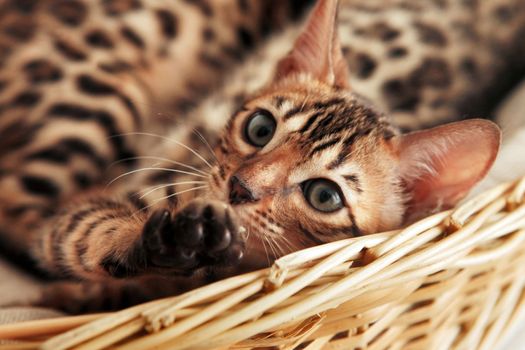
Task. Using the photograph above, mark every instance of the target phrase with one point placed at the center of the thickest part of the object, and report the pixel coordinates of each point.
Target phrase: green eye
(323, 195)
(260, 128)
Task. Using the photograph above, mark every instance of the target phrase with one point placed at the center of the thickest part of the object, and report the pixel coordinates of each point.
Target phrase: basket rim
(239, 307)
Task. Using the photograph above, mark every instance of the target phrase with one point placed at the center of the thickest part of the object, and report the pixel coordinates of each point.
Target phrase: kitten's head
(307, 161)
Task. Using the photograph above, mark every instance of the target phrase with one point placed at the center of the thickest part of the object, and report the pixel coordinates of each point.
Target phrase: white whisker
(155, 188)
(270, 245)
(278, 247)
(273, 247)
(265, 250)
(162, 160)
(147, 169)
(170, 140)
(170, 196)
(207, 144)
(288, 244)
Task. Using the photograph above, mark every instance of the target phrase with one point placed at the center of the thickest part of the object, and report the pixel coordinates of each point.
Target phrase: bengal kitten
(303, 161)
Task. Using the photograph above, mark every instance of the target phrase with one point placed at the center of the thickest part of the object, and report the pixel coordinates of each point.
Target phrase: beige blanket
(16, 290)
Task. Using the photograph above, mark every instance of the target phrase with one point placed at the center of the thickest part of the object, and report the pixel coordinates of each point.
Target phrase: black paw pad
(203, 233)
(162, 250)
(208, 225)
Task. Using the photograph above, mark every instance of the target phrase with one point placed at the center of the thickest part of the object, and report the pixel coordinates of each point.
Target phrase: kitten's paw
(204, 233)
(213, 229)
(161, 248)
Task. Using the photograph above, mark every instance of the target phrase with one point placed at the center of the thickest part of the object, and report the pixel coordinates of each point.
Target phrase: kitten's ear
(440, 165)
(317, 51)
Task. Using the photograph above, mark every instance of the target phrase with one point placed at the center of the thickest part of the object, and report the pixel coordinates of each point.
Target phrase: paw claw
(234, 254)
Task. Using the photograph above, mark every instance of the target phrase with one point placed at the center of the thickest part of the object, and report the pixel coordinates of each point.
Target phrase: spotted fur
(77, 77)
(62, 124)
(77, 80)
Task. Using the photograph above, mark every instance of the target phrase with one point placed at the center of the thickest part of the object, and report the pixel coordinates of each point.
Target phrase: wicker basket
(452, 280)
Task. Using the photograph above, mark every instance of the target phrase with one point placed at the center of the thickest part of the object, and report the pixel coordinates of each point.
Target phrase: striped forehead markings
(316, 134)
(279, 101)
(354, 182)
(347, 148)
(293, 112)
(329, 103)
(319, 105)
(310, 121)
(323, 146)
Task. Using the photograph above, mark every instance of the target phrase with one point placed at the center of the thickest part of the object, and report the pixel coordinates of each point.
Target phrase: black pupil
(325, 196)
(263, 131)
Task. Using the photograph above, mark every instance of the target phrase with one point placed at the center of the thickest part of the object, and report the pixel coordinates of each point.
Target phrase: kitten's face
(304, 163)
(307, 161)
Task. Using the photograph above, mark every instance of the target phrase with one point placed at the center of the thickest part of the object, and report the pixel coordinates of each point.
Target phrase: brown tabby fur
(52, 198)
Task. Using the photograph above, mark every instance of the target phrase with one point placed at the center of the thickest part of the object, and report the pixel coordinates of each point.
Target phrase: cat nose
(239, 192)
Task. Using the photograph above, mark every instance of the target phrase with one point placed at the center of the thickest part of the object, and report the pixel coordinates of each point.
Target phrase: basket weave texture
(452, 280)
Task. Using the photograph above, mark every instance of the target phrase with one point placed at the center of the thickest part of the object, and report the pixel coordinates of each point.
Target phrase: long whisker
(288, 244)
(160, 159)
(155, 188)
(269, 243)
(207, 144)
(265, 250)
(167, 139)
(170, 184)
(272, 246)
(147, 169)
(171, 195)
(278, 247)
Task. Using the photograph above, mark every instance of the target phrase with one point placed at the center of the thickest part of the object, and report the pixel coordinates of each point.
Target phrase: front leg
(203, 234)
(98, 237)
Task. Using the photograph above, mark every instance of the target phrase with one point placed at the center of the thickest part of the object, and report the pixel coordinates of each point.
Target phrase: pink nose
(239, 192)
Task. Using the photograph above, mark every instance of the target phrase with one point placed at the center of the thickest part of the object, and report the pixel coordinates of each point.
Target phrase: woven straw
(452, 280)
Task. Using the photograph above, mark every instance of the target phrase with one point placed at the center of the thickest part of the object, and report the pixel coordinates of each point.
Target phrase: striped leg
(100, 237)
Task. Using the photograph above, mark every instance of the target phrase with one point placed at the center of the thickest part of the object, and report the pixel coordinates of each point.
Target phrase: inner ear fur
(439, 166)
(317, 50)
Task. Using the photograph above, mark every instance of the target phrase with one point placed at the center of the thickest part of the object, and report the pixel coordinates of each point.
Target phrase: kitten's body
(77, 76)
(420, 63)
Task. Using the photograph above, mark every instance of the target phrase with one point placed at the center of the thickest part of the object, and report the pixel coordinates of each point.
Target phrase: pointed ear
(439, 166)
(317, 51)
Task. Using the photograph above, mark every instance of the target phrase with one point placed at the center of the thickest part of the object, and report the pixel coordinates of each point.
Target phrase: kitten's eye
(260, 128)
(323, 195)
